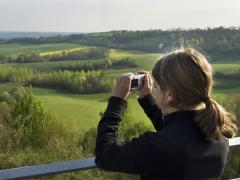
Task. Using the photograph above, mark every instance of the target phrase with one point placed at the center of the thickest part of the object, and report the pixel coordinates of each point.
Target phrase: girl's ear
(168, 95)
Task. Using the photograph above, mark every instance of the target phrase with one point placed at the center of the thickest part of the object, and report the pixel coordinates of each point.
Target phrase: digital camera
(137, 81)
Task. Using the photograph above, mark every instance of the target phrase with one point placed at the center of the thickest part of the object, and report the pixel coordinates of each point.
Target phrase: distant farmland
(83, 110)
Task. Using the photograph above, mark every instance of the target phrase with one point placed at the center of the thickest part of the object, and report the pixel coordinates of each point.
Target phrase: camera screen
(134, 83)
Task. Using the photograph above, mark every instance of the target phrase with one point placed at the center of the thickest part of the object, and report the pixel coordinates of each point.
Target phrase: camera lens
(134, 83)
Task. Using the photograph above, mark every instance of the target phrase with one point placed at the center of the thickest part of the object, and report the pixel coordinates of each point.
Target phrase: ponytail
(189, 77)
(215, 120)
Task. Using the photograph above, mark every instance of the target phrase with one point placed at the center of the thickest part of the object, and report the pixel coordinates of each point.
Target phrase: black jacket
(177, 150)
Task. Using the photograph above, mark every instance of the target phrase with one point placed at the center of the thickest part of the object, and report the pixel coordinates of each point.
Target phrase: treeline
(76, 82)
(106, 64)
(78, 54)
(210, 40)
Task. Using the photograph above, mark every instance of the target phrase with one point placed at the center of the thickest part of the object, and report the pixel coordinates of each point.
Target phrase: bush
(88, 141)
(31, 135)
(24, 121)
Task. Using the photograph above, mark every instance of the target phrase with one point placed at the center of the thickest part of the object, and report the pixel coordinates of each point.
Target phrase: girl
(192, 129)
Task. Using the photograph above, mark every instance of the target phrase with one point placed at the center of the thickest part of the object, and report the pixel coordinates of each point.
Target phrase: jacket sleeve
(152, 110)
(134, 156)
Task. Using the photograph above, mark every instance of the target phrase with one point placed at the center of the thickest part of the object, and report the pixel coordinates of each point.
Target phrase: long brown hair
(188, 75)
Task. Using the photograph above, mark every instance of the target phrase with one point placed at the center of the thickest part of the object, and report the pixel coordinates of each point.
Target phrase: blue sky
(106, 15)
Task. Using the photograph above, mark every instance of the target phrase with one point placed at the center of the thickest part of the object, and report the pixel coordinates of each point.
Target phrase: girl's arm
(152, 110)
(148, 102)
(135, 156)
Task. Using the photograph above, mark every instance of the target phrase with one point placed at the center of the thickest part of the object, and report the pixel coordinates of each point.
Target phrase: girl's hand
(122, 87)
(148, 84)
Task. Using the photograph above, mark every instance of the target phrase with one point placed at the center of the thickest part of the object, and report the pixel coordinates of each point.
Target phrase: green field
(226, 68)
(15, 48)
(83, 110)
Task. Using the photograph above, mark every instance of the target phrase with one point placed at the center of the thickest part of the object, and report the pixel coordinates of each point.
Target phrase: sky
(107, 15)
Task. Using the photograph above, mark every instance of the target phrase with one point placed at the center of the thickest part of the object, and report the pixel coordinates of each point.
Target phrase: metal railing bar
(48, 169)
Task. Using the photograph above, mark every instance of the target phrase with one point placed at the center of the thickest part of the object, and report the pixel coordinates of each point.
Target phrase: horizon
(169, 29)
(88, 16)
(36, 34)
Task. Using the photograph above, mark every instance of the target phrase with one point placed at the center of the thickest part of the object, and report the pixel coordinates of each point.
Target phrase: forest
(210, 40)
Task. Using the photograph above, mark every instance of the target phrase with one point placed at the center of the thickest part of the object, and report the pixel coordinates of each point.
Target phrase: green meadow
(83, 110)
(18, 48)
(80, 110)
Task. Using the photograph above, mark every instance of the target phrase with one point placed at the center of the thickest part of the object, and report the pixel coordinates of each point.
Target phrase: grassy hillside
(83, 110)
